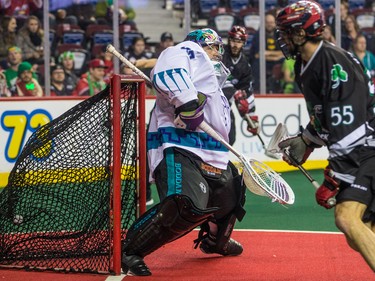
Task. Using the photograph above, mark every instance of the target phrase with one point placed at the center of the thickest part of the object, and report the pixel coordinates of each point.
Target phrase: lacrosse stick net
(260, 179)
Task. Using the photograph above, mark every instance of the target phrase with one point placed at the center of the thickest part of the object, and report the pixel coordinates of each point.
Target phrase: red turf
(276, 256)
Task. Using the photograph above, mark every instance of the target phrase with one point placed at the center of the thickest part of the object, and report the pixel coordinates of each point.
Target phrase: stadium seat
(327, 4)
(102, 37)
(271, 4)
(65, 27)
(127, 39)
(64, 47)
(222, 19)
(206, 6)
(364, 17)
(126, 27)
(356, 4)
(93, 28)
(81, 59)
(73, 37)
(250, 18)
(238, 5)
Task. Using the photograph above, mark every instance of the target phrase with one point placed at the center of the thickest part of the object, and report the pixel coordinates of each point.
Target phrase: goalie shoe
(231, 248)
(134, 265)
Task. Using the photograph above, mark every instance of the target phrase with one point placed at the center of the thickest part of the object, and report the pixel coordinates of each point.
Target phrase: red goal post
(78, 184)
(116, 82)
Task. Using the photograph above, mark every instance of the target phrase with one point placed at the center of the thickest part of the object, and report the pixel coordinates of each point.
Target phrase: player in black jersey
(239, 83)
(340, 101)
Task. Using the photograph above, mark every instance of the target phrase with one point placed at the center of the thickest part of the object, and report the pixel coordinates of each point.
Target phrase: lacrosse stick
(266, 152)
(258, 177)
(273, 147)
(111, 49)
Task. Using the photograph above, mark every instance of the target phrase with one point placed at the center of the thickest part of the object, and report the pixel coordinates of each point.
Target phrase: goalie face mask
(207, 37)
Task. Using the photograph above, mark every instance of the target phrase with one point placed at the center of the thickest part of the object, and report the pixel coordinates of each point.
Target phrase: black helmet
(307, 15)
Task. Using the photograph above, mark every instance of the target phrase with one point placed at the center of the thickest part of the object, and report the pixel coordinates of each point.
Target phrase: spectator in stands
(4, 91)
(107, 57)
(8, 34)
(30, 40)
(59, 85)
(62, 17)
(14, 60)
(365, 56)
(66, 59)
(26, 85)
(92, 82)
(328, 35)
(273, 54)
(104, 9)
(137, 51)
(21, 8)
(166, 40)
(351, 31)
(344, 12)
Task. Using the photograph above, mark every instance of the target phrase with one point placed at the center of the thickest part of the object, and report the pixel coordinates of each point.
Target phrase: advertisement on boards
(19, 119)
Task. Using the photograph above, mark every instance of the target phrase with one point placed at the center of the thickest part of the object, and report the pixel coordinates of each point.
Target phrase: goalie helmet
(205, 37)
(306, 15)
(238, 32)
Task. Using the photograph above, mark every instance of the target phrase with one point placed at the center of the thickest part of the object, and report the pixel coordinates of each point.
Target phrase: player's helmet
(238, 32)
(307, 15)
(205, 37)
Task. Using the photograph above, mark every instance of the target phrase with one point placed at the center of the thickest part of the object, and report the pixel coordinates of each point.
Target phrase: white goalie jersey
(180, 73)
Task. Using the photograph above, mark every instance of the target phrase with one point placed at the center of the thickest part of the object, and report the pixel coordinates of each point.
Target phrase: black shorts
(181, 172)
(363, 188)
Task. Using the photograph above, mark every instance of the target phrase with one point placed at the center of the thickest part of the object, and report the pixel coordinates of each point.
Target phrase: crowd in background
(87, 71)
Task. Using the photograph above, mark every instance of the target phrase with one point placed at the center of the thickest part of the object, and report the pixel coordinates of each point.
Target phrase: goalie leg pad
(172, 218)
(214, 237)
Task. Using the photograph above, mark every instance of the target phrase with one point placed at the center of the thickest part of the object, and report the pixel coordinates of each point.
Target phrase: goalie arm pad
(190, 115)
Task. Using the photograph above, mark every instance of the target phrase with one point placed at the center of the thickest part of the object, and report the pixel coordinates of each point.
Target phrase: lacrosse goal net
(77, 184)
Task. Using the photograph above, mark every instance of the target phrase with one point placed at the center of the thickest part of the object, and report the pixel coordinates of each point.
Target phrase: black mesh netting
(55, 210)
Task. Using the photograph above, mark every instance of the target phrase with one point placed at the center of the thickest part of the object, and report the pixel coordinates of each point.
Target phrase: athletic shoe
(134, 265)
(231, 248)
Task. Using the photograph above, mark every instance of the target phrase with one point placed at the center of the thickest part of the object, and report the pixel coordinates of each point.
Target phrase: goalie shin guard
(165, 222)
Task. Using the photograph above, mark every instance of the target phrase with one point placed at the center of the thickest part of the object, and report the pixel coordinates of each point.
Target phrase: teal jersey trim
(169, 158)
(182, 137)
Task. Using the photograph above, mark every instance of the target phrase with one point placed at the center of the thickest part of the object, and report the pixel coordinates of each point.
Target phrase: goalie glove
(189, 116)
(325, 194)
(298, 149)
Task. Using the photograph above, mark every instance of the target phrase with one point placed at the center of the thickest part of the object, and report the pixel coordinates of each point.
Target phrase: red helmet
(307, 15)
(238, 32)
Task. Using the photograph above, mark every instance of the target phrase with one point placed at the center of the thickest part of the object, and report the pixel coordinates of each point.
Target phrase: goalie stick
(273, 146)
(258, 177)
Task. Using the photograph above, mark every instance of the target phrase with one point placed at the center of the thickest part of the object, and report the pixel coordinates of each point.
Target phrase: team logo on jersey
(338, 74)
(203, 187)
